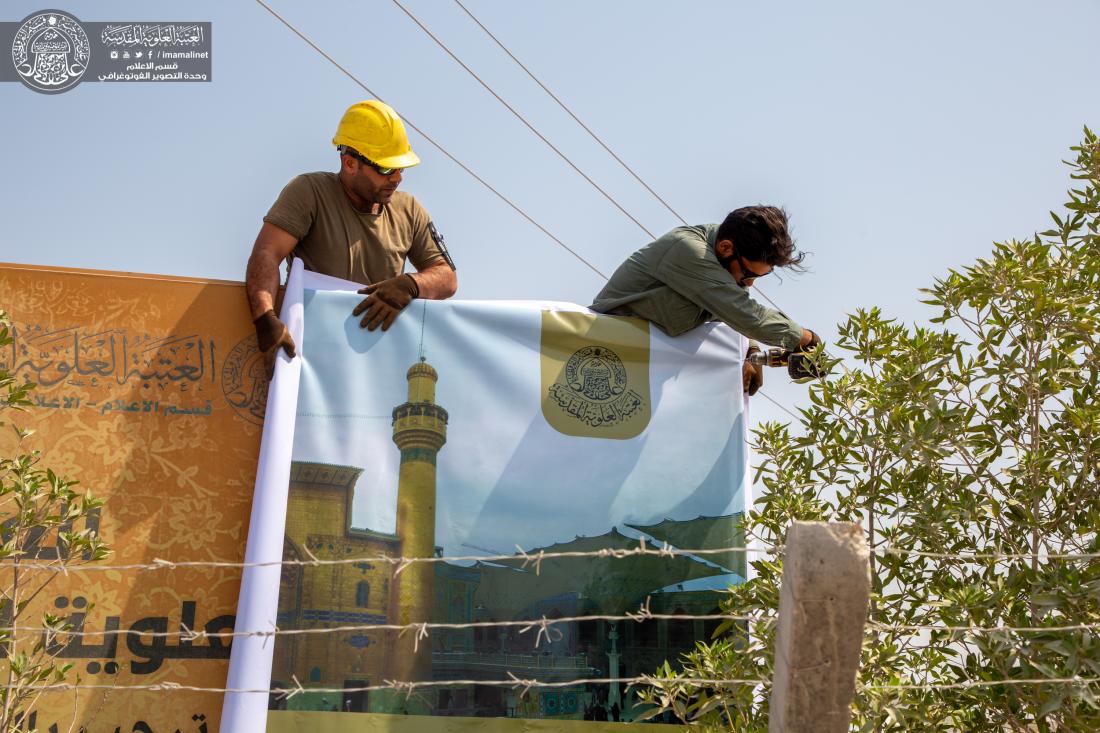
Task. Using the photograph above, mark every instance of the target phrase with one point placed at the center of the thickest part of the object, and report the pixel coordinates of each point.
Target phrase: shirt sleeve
(427, 243)
(693, 272)
(295, 209)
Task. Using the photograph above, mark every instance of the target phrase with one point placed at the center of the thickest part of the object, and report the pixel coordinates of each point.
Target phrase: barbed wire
(513, 682)
(976, 556)
(525, 558)
(544, 625)
(967, 684)
(524, 685)
(535, 559)
(975, 629)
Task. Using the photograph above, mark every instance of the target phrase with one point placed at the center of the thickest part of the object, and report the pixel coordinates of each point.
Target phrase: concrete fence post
(822, 611)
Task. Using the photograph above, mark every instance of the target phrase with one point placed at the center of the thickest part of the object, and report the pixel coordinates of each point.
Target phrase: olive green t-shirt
(336, 239)
(677, 283)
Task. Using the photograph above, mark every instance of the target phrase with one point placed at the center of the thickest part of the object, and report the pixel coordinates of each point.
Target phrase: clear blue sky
(903, 138)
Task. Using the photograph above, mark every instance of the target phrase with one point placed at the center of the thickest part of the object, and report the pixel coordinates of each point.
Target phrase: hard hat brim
(405, 160)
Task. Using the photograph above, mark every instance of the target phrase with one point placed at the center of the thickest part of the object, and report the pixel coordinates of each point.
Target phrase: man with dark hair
(696, 274)
(354, 225)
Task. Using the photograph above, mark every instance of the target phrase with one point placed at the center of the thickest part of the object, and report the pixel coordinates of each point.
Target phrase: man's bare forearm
(436, 282)
(262, 274)
(261, 282)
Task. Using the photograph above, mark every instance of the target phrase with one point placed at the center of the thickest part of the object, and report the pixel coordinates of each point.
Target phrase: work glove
(385, 300)
(802, 365)
(752, 375)
(271, 333)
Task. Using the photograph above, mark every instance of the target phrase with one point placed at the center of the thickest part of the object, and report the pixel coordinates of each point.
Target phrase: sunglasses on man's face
(380, 170)
(749, 274)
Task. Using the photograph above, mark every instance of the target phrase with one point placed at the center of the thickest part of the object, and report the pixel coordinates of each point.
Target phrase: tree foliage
(36, 506)
(976, 435)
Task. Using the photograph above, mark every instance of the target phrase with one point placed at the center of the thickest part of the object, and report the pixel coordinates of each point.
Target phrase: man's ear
(723, 248)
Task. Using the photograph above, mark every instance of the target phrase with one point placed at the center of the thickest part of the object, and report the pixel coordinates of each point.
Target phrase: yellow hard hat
(375, 131)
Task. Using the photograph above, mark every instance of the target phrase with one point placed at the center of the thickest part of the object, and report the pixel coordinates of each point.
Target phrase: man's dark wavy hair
(759, 233)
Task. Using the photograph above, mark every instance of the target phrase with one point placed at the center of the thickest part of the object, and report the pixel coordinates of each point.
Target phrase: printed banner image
(151, 394)
(467, 440)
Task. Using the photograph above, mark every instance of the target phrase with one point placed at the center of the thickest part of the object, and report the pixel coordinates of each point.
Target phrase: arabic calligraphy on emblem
(594, 388)
(51, 52)
(244, 381)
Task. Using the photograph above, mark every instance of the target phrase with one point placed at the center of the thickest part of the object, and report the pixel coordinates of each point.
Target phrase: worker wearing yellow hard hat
(374, 131)
(354, 225)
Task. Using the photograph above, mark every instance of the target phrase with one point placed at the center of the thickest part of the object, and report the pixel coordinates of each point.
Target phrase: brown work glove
(803, 365)
(271, 333)
(385, 300)
(752, 375)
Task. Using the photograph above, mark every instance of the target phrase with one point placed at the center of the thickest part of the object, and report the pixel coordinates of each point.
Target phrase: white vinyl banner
(469, 437)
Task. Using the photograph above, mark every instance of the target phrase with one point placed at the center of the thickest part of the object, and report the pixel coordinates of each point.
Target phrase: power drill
(800, 365)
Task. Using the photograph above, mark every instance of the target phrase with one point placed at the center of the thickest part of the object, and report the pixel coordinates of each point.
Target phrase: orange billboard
(151, 394)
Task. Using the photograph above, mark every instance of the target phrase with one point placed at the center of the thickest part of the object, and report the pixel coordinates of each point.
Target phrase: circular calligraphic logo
(593, 389)
(596, 372)
(51, 51)
(244, 380)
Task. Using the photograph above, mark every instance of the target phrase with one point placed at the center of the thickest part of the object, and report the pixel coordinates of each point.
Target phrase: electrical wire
(585, 127)
(776, 402)
(523, 119)
(571, 113)
(433, 142)
(466, 168)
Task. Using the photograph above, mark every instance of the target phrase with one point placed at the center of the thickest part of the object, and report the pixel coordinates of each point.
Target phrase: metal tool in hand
(801, 365)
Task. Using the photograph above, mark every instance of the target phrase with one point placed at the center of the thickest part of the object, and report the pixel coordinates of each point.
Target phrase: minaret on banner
(419, 430)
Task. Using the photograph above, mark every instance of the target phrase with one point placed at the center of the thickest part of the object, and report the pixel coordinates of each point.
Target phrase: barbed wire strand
(523, 119)
(542, 625)
(435, 144)
(967, 684)
(534, 560)
(287, 692)
(983, 629)
(975, 556)
(525, 685)
(524, 558)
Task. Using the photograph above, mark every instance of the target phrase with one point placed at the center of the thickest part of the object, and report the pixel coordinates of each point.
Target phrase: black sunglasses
(749, 274)
(380, 170)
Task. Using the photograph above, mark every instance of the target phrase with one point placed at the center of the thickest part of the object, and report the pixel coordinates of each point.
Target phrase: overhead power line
(524, 120)
(585, 127)
(542, 137)
(572, 114)
(431, 140)
(438, 146)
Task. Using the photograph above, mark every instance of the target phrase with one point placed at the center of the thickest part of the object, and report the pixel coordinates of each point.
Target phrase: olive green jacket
(677, 283)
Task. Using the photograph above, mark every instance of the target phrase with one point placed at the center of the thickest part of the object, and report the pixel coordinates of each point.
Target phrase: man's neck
(358, 202)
